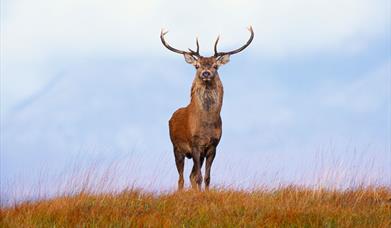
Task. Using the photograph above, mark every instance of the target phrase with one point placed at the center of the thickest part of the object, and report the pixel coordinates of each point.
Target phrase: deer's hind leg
(180, 164)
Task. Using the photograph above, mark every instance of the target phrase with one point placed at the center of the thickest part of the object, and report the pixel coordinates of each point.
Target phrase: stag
(195, 130)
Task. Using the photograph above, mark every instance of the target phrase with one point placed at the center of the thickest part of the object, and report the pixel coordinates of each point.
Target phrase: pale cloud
(39, 34)
(47, 27)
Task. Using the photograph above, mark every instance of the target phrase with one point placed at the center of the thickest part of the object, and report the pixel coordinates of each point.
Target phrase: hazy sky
(91, 79)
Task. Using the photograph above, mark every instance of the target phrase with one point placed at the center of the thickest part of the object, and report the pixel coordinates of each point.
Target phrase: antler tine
(216, 42)
(198, 46)
(196, 53)
(239, 49)
(162, 33)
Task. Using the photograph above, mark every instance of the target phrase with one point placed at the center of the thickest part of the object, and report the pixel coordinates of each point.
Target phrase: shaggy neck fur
(207, 96)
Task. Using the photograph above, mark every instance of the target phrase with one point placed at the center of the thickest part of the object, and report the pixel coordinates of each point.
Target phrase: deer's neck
(207, 98)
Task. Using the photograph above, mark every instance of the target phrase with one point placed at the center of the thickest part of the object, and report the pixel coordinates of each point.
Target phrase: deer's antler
(190, 52)
(217, 54)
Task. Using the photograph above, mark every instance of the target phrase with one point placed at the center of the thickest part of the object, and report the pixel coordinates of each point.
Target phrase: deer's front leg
(196, 176)
(210, 155)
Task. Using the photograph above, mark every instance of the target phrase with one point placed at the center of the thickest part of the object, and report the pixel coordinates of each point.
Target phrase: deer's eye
(215, 66)
(197, 66)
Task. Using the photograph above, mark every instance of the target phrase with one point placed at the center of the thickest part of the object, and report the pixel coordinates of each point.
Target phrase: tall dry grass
(282, 207)
(94, 196)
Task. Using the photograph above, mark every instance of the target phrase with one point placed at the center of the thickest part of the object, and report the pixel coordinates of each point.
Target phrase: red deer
(195, 130)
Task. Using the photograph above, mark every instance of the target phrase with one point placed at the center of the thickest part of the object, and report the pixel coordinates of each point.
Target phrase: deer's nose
(205, 74)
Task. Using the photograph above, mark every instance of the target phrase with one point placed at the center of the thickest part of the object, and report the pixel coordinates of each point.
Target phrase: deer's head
(206, 67)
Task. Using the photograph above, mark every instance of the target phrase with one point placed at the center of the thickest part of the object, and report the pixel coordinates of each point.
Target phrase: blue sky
(308, 101)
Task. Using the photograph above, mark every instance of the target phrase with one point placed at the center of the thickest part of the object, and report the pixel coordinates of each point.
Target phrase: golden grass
(283, 207)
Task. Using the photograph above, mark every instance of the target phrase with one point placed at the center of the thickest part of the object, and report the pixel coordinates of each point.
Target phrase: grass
(90, 196)
(282, 207)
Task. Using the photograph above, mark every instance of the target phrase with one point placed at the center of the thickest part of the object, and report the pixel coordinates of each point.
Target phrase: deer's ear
(223, 60)
(190, 59)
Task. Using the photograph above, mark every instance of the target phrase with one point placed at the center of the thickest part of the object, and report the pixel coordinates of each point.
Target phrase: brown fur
(195, 130)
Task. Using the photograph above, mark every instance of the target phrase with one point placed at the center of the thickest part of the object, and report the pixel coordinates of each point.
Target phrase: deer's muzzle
(206, 75)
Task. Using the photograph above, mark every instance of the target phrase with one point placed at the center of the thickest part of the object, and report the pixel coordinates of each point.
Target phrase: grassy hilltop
(283, 207)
